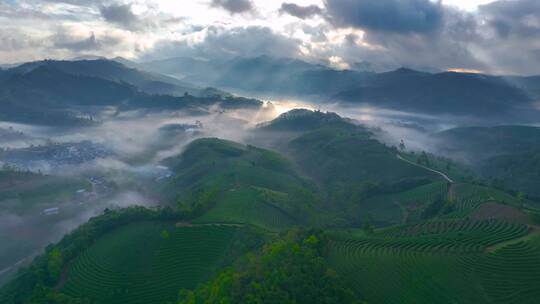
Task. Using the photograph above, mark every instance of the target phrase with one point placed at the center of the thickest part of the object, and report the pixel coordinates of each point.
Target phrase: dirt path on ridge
(426, 168)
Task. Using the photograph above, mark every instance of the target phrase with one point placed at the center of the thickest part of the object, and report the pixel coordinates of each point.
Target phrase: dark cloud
(517, 18)
(234, 6)
(394, 16)
(14, 40)
(509, 39)
(447, 47)
(64, 40)
(121, 15)
(302, 12)
(221, 43)
(317, 33)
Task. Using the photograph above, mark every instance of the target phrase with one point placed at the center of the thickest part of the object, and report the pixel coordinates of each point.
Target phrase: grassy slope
(440, 262)
(342, 158)
(139, 263)
(510, 154)
(240, 184)
(411, 203)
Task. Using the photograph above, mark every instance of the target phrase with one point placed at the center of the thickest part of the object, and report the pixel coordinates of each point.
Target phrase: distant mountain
(88, 57)
(263, 74)
(57, 92)
(443, 93)
(462, 94)
(191, 69)
(126, 62)
(48, 85)
(114, 71)
(509, 155)
(45, 95)
(366, 66)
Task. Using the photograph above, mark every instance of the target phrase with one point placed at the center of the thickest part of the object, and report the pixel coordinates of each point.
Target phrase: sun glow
(467, 71)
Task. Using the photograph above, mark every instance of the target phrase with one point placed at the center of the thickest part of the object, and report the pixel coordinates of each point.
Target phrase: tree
(535, 218)
(55, 263)
(367, 224)
(521, 197)
(165, 234)
(292, 269)
(423, 159)
(402, 145)
(448, 165)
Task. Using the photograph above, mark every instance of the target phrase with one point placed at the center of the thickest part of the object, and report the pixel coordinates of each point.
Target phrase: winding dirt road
(426, 168)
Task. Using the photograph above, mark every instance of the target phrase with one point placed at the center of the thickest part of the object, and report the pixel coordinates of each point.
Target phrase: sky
(492, 36)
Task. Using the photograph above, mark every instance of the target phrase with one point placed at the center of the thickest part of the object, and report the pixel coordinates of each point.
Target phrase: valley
(185, 197)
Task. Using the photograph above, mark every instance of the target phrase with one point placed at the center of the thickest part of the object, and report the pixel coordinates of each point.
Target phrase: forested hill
(60, 93)
(114, 71)
(508, 155)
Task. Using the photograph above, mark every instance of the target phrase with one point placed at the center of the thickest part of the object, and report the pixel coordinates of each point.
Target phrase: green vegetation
(333, 155)
(406, 206)
(373, 229)
(453, 169)
(230, 183)
(24, 195)
(507, 155)
(248, 206)
(436, 262)
(291, 269)
(510, 274)
(153, 268)
(22, 192)
(55, 92)
(465, 198)
(348, 165)
(38, 281)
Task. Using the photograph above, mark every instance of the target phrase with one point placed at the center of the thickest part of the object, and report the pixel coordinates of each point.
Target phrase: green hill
(442, 262)
(508, 155)
(60, 92)
(347, 163)
(226, 231)
(148, 262)
(228, 182)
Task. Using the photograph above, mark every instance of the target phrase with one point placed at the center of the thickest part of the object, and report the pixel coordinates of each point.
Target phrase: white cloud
(139, 28)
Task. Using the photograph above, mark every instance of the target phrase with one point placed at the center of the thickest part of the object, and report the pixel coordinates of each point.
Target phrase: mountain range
(65, 92)
(461, 94)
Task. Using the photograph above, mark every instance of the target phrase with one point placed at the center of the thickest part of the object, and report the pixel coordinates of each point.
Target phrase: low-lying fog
(126, 149)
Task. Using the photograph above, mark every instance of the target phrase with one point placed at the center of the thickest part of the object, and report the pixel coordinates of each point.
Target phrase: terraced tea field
(405, 206)
(242, 206)
(467, 197)
(441, 262)
(141, 263)
(510, 274)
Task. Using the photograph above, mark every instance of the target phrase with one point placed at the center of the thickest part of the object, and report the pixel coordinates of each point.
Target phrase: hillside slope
(225, 181)
(507, 154)
(348, 164)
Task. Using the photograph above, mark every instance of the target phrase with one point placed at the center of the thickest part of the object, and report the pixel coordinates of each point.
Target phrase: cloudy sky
(495, 36)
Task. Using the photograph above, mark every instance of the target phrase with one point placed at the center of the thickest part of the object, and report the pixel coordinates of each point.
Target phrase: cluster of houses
(54, 155)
